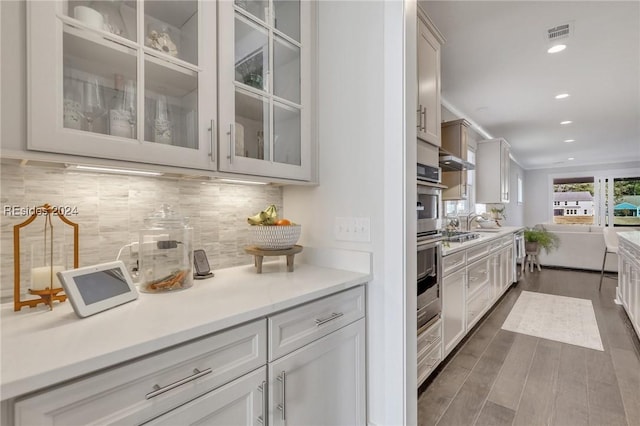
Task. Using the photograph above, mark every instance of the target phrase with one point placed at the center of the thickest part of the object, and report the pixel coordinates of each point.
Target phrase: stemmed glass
(162, 124)
(130, 105)
(93, 106)
(72, 116)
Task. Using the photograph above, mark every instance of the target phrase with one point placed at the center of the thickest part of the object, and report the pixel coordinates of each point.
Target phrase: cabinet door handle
(212, 140)
(320, 321)
(419, 117)
(263, 388)
(424, 114)
(232, 143)
(282, 378)
(158, 390)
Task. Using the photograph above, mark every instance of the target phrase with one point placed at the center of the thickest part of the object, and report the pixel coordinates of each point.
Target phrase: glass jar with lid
(166, 252)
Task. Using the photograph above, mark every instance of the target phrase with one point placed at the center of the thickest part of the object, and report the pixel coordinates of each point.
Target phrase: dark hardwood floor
(498, 377)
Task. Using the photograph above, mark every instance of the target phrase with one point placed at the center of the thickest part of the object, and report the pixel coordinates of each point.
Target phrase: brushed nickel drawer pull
(331, 317)
(158, 390)
(282, 378)
(263, 388)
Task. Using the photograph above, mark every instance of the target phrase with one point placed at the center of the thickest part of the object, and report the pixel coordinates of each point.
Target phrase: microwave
(429, 173)
(429, 209)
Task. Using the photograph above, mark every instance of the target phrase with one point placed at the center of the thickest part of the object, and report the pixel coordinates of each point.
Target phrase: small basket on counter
(271, 237)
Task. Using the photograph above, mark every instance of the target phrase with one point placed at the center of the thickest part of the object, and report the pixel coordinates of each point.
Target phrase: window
(574, 191)
(463, 207)
(520, 191)
(612, 199)
(626, 201)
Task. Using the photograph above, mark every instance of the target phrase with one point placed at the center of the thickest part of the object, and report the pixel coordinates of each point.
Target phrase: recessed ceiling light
(570, 158)
(562, 96)
(566, 122)
(569, 140)
(557, 48)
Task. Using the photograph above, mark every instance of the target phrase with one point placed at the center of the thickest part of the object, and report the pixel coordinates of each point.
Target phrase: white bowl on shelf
(273, 237)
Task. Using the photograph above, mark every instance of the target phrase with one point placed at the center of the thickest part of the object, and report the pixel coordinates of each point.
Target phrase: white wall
(362, 157)
(538, 191)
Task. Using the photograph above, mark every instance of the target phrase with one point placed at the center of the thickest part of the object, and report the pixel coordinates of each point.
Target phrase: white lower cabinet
(322, 383)
(453, 309)
(478, 305)
(430, 351)
(629, 281)
(313, 373)
(241, 402)
(473, 280)
(142, 390)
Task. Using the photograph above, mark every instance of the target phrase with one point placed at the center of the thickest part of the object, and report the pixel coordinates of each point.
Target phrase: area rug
(559, 318)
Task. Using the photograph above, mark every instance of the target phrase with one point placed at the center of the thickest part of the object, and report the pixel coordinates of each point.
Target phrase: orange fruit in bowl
(283, 222)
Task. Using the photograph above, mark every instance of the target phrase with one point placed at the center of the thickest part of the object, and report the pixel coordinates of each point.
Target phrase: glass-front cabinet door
(264, 88)
(123, 79)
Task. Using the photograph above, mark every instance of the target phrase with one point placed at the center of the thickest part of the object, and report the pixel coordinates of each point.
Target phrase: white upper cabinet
(132, 81)
(264, 105)
(429, 43)
(492, 171)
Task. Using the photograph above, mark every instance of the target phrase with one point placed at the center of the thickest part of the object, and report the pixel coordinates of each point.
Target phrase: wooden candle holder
(48, 295)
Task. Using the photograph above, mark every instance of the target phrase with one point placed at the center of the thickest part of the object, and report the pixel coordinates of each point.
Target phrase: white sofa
(581, 247)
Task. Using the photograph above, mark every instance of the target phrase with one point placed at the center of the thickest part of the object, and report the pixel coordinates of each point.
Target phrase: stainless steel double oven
(429, 283)
(429, 255)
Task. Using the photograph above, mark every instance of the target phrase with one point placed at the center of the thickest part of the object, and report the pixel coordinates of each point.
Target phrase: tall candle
(41, 277)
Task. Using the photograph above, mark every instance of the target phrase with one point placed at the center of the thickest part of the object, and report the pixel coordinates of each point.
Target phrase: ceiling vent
(559, 32)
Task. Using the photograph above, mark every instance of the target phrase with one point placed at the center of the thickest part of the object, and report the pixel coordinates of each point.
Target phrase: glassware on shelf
(72, 103)
(162, 123)
(93, 107)
(110, 11)
(130, 104)
(122, 112)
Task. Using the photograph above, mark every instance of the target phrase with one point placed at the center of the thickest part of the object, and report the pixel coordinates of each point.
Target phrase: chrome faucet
(470, 218)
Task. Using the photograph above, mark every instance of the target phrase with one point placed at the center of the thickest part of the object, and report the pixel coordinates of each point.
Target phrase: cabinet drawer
(429, 338)
(428, 361)
(452, 262)
(240, 402)
(141, 390)
(475, 253)
(477, 306)
(299, 326)
(478, 276)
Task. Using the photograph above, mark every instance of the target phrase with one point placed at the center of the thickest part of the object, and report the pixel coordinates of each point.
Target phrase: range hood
(451, 163)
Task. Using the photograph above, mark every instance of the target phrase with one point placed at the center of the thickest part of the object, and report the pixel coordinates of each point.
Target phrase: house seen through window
(602, 201)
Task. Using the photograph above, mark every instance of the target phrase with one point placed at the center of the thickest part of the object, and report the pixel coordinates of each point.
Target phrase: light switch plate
(353, 229)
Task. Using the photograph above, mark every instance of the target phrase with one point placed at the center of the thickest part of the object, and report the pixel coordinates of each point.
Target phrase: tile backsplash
(111, 210)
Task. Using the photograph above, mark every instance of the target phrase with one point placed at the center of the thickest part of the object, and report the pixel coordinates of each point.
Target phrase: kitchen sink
(459, 236)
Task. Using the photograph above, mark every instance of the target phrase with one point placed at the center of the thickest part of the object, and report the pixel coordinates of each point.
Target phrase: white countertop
(42, 347)
(632, 237)
(485, 236)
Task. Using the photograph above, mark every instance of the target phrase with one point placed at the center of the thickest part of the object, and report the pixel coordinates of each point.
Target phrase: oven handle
(426, 245)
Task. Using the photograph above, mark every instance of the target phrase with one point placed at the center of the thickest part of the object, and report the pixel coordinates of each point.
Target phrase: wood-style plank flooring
(497, 377)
